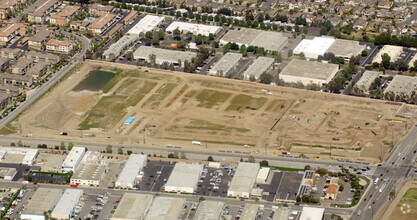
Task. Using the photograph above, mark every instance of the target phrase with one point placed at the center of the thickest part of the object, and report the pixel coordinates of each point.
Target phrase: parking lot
(156, 173)
(96, 206)
(284, 186)
(215, 181)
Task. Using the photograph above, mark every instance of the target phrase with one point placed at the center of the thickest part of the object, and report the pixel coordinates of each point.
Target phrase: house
(22, 66)
(38, 14)
(38, 40)
(360, 24)
(59, 46)
(10, 53)
(99, 25)
(38, 70)
(63, 17)
(385, 4)
(9, 32)
(99, 9)
(9, 6)
(15, 79)
(39, 56)
(15, 91)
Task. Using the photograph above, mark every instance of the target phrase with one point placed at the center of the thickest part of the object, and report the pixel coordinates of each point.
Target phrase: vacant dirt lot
(173, 108)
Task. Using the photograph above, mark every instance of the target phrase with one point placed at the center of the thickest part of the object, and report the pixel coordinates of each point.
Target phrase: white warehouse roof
(184, 177)
(315, 47)
(402, 84)
(196, 29)
(30, 154)
(163, 55)
(260, 65)
(263, 175)
(134, 165)
(368, 77)
(119, 46)
(73, 159)
(393, 51)
(133, 206)
(311, 213)
(226, 63)
(166, 208)
(209, 210)
(243, 180)
(67, 203)
(43, 199)
(148, 23)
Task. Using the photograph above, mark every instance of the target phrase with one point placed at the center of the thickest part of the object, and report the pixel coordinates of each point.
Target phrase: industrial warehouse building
(393, 51)
(116, 49)
(308, 72)
(28, 155)
(250, 211)
(225, 64)
(260, 65)
(67, 203)
(263, 175)
(184, 177)
(402, 85)
(243, 180)
(282, 213)
(368, 77)
(73, 159)
(209, 210)
(91, 170)
(269, 40)
(166, 208)
(130, 174)
(43, 199)
(196, 29)
(133, 206)
(315, 47)
(312, 213)
(346, 48)
(163, 55)
(148, 23)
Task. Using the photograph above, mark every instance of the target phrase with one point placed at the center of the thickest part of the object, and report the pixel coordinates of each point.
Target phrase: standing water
(95, 80)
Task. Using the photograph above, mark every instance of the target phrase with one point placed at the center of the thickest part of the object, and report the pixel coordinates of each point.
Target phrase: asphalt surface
(398, 168)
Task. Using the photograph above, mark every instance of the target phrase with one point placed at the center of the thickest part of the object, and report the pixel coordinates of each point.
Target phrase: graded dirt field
(174, 108)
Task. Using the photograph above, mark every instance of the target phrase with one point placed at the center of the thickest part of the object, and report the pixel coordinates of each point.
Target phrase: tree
(364, 53)
(129, 152)
(328, 56)
(201, 199)
(30, 178)
(14, 144)
(302, 56)
(120, 150)
(307, 167)
(177, 34)
(241, 159)
(109, 149)
(70, 145)
(251, 159)
(176, 155)
(183, 156)
(264, 163)
(322, 171)
(62, 146)
(402, 66)
(210, 158)
(243, 50)
(19, 143)
(265, 78)
(198, 39)
(290, 52)
(386, 59)
(129, 55)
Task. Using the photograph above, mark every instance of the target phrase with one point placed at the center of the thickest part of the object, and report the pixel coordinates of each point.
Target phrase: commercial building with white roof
(73, 159)
(368, 77)
(393, 51)
(249, 212)
(42, 200)
(243, 180)
(346, 48)
(269, 40)
(225, 64)
(166, 208)
(116, 48)
(209, 210)
(315, 47)
(130, 174)
(402, 85)
(133, 206)
(29, 154)
(163, 55)
(196, 29)
(91, 170)
(148, 23)
(282, 213)
(184, 177)
(260, 65)
(308, 72)
(312, 213)
(263, 175)
(67, 203)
